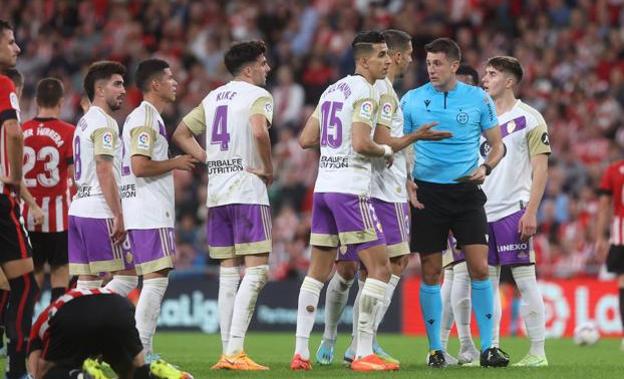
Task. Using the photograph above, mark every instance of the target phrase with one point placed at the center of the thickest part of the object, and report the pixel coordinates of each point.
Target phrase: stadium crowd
(572, 52)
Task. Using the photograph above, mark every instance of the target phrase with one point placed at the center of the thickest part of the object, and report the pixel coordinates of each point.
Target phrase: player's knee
(347, 270)
(398, 264)
(479, 271)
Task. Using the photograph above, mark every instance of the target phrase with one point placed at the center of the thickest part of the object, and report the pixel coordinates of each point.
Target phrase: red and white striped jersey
(39, 335)
(9, 109)
(48, 153)
(612, 183)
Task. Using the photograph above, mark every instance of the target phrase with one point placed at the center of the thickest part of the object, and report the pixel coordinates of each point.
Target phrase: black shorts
(14, 243)
(448, 207)
(49, 248)
(94, 326)
(615, 259)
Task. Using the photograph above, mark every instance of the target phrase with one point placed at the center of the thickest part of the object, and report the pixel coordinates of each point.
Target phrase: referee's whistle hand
(424, 133)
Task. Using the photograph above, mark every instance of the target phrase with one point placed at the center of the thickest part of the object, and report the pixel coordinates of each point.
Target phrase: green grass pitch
(196, 352)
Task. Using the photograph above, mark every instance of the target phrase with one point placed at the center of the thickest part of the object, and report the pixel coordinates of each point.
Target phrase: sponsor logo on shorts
(512, 247)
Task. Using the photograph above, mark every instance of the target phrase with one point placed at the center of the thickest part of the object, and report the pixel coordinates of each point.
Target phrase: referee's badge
(462, 117)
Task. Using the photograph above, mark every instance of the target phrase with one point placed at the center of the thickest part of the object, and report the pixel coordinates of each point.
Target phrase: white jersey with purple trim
(525, 135)
(97, 133)
(224, 115)
(148, 203)
(388, 183)
(341, 169)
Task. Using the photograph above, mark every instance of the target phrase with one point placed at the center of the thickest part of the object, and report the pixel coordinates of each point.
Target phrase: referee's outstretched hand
(424, 133)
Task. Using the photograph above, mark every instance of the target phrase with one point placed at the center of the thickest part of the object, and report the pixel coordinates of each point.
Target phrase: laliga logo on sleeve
(107, 140)
(14, 101)
(268, 108)
(143, 141)
(366, 110)
(386, 110)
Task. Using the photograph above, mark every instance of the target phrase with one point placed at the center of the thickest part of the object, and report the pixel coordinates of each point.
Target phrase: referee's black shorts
(94, 326)
(448, 207)
(14, 242)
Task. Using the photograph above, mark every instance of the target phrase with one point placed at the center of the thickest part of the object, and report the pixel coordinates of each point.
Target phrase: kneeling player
(84, 325)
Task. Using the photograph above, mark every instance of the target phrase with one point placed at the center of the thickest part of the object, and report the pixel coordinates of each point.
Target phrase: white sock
(460, 300)
(88, 284)
(372, 294)
(244, 305)
(447, 309)
(356, 316)
(495, 278)
(335, 300)
(531, 308)
(306, 313)
(123, 284)
(382, 308)
(229, 277)
(148, 309)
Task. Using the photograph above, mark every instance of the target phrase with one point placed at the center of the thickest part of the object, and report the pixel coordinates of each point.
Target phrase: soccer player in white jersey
(389, 198)
(147, 193)
(514, 192)
(342, 211)
(96, 226)
(236, 118)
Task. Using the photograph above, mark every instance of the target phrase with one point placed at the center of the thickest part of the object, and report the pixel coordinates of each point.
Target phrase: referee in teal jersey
(448, 177)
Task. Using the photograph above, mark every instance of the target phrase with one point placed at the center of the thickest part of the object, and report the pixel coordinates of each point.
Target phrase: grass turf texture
(196, 352)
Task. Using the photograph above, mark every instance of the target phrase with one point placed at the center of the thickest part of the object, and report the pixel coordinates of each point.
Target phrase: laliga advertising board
(568, 303)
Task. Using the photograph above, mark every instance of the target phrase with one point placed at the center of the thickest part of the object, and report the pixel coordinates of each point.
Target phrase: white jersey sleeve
(508, 187)
(230, 145)
(96, 134)
(342, 170)
(148, 202)
(388, 184)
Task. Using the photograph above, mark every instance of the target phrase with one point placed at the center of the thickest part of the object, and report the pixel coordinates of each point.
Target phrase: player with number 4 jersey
(236, 118)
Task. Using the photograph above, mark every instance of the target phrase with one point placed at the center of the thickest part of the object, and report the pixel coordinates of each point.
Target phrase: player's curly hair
(243, 53)
(101, 70)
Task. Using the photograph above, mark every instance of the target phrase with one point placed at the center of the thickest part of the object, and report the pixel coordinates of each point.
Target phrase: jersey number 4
(220, 135)
(331, 126)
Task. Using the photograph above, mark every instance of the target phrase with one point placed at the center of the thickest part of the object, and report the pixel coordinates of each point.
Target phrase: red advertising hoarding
(568, 303)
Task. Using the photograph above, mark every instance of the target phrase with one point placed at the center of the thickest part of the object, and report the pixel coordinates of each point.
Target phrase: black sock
(142, 372)
(57, 292)
(57, 372)
(4, 299)
(622, 306)
(18, 319)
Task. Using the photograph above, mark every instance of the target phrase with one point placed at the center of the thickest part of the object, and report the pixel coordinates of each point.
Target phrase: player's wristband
(387, 151)
(488, 168)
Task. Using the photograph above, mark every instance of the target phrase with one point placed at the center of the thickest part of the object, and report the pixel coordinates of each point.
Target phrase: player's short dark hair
(101, 70)
(243, 53)
(147, 71)
(468, 71)
(16, 77)
(363, 43)
(507, 64)
(49, 92)
(446, 46)
(397, 40)
(4, 25)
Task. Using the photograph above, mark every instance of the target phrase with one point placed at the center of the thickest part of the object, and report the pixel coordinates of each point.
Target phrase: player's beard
(115, 105)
